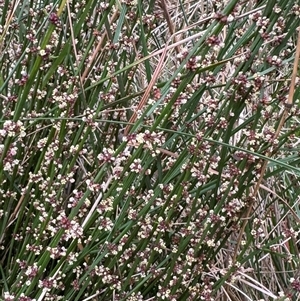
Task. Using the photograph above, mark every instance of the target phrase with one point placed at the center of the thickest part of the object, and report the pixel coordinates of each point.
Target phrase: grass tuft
(149, 150)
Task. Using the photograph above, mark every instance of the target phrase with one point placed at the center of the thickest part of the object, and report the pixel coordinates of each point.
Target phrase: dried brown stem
(98, 48)
(171, 26)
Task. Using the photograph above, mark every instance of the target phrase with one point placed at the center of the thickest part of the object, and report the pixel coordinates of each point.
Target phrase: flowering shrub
(149, 150)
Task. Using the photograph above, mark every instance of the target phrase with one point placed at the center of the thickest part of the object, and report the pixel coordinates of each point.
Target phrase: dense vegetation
(149, 150)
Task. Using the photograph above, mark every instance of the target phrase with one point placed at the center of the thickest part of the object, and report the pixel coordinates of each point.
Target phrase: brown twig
(171, 26)
(9, 18)
(98, 48)
(147, 92)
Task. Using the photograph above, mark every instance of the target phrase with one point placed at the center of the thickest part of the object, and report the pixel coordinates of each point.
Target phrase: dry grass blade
(171, 26)
(98, 48)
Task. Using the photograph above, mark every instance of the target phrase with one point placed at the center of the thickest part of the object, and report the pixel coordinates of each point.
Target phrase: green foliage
(149, 150)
